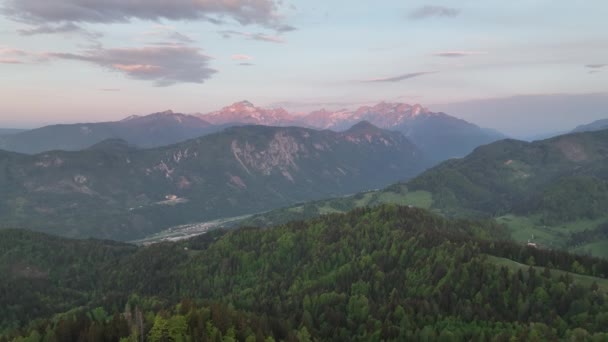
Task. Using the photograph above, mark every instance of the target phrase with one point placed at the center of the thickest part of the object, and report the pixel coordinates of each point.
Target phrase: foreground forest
(388, 273)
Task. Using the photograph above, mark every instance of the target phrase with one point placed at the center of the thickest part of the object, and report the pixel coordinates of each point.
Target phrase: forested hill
(562, 178)
(388, 273)
(554, 191)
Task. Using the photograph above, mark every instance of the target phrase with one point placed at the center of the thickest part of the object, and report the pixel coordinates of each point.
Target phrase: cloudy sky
(92, 60)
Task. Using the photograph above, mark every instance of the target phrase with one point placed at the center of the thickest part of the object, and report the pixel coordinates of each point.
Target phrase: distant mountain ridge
(152, 130)
(7, 131)
(597, 125)
(438, 135)
(385, 115)
(112, 190)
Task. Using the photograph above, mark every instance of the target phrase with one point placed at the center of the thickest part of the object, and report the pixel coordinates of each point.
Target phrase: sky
(483, 60)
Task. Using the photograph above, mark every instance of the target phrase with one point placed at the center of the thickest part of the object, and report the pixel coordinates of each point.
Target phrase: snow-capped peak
(245, 112)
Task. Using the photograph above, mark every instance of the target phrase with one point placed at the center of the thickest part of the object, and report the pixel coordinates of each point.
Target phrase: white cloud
(252, 36)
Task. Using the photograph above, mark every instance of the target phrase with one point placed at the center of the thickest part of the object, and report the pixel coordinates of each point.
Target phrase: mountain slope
(438, 135)
(527, 178)
(114, 191)
(388, 273)
(8, 131)
(143, 131)
(594, 126)
(554, 192)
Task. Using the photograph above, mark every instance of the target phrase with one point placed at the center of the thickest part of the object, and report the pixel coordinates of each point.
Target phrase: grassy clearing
(584, 280)
(580, 225)
(299, 209)
(420, 199)
(598, 248)
(365, 200)
(326, 209)
(524, 228)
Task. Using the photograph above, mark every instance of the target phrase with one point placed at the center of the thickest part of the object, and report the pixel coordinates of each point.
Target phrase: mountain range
(152, 130)
(438, 135)
(112, 190)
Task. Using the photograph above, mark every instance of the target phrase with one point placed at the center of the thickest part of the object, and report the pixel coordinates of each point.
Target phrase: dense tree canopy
(388, 273)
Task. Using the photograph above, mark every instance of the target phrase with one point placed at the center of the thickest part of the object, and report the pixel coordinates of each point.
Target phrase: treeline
(387, 273)
(186, 321)
(190, 321)
(589, 235)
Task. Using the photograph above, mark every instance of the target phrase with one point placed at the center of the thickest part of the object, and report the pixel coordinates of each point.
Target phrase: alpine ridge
(438, 135)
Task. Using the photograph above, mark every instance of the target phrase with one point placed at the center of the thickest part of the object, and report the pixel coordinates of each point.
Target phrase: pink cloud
(7, 51)
(10, 55)
(241, 57)
(165, 65)
(9, 61)
(136, 67)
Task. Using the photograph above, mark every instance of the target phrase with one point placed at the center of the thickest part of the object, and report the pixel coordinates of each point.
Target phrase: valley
(188, 231)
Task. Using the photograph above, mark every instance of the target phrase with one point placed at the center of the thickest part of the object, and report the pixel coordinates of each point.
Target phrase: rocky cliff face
(240, 170)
